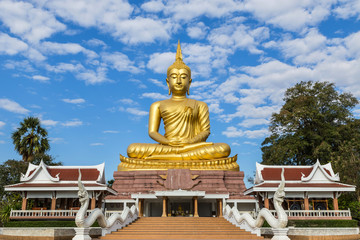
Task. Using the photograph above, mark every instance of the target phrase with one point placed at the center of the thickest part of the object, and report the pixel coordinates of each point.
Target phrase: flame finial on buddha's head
(179, 64)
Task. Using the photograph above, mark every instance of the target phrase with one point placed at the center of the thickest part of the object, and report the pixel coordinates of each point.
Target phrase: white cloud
(10, 45)
(65, 48)
(96, 42)
(348, 8)
(12, 106)
(34, 54)
(56, 140)
(23, 65)
(93, 77)
(232, 132)
(352, 44)
(92, 13)
(2, 142)
(28, 22)
(120, 62)
(65, 67)
(159, 62)
(74, 101)
(128, 101)
(290, 15)
(250, 143)
(155, 96)
(158, 83)
(40, 78)
(215, 108)
(49, 122)
(2, 124)
(142, 30)
(114, 17)
(251, 111)
(153, 6)
(197, 31)
(111, 131)
(253, 122)
(72, 123)
(307, 50)
(188, 10)
(136, 111)
(238, 36)
(199, 57)
(96, 144)
(138, 83)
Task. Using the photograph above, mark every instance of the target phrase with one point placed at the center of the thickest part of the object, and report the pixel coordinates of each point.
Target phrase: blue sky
(91, 69)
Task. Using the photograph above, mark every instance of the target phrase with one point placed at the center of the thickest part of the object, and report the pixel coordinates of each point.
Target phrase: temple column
(306, 203)
(266, 201)
(99, 203)
(93, 202)
(141, 207)
(335, 201)
(164, 207)
(53, 203)
(220, 208)
(24, 203)
(196, 214)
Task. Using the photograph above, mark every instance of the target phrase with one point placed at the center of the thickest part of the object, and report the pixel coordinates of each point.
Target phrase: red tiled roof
(72, 174)
(21, 185)
(290, 174)
(307, 185)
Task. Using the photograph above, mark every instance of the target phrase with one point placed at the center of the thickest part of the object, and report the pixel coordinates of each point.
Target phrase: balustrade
(293, 214)
(45, 213)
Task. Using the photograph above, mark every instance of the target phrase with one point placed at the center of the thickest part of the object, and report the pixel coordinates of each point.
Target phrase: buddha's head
(178, 75)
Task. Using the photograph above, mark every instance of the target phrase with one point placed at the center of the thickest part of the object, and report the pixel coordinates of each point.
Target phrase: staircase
(181, 228)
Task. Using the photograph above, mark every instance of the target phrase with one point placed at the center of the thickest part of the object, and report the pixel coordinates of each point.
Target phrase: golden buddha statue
(187, 126)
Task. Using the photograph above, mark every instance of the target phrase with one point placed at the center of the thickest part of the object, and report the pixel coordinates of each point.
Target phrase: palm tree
(30, 139)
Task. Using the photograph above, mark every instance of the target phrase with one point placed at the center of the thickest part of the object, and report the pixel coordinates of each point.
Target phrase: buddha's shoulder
(197, 102)
(160, 103)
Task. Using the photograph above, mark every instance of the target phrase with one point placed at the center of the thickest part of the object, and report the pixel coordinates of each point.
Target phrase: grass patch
(320, 223)
(27, 224)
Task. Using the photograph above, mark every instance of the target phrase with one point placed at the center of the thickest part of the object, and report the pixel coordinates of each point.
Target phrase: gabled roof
(316, 177)
(61, 178)
(316, 172)
(51, 174)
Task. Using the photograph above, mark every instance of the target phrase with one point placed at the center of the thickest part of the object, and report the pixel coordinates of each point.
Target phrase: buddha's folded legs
(197, 152)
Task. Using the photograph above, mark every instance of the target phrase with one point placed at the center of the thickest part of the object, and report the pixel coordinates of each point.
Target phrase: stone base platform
(132, 164)
(210, 181)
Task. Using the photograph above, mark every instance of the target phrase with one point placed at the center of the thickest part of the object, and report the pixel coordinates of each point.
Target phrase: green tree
(110, 183)
(311, 125)
(12, 202)
(30, 139)
(10, 173)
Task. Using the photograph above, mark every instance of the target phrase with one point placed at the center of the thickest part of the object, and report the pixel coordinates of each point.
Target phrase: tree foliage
(315, 122)
(30, 139)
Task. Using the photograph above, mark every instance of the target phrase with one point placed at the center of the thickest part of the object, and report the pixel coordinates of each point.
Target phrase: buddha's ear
(188, 90)
(167, 83)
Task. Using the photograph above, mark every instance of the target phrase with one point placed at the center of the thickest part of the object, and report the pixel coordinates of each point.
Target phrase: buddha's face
(178, 81)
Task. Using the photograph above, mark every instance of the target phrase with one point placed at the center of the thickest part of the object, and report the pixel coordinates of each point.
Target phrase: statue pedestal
(82, 234)
(134, 164)
(280, 234)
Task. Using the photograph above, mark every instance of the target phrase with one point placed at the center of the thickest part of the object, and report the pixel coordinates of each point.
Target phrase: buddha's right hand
(176, 143)
(194, 146)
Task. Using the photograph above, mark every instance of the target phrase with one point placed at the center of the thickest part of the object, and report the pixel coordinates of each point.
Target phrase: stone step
(181, 228)
(190, 237)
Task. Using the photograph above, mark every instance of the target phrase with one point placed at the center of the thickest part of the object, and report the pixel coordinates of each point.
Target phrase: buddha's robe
(188, 122)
